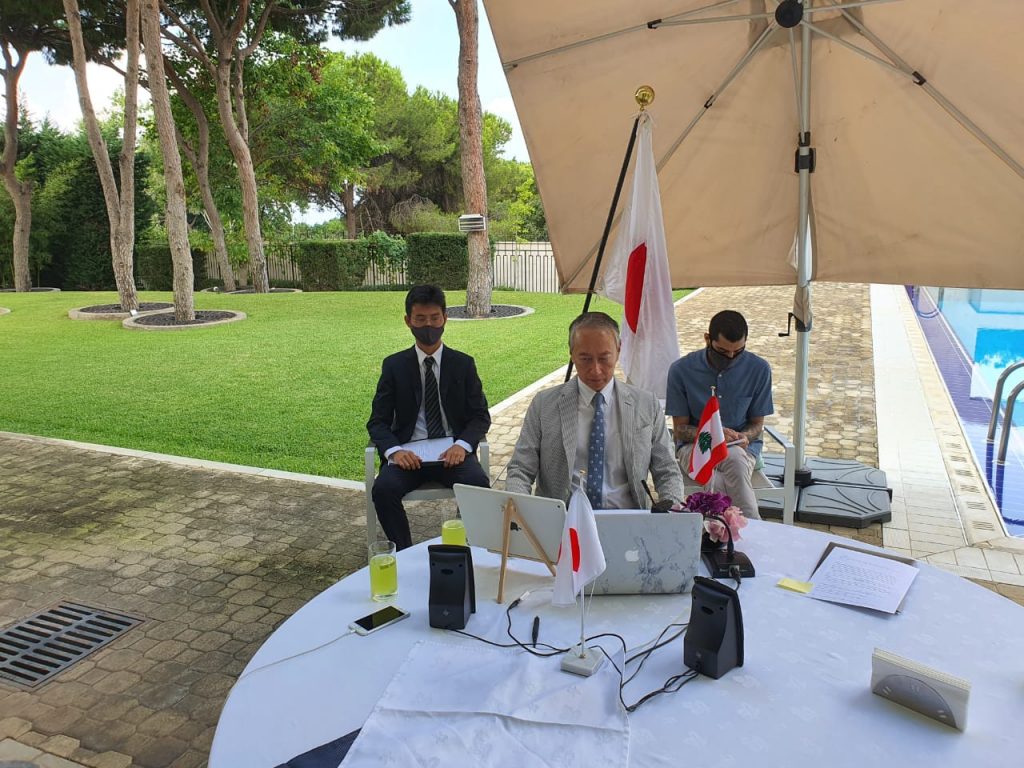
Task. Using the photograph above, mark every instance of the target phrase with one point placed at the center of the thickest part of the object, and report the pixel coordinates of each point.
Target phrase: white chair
(426, 492)
(764, 488)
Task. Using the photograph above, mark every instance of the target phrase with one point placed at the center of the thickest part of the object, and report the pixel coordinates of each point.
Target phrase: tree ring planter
(164, 321)
(33, 290)
(114, 311)
(498, 312)
(249, 290)
(272, 290)
(4, 311)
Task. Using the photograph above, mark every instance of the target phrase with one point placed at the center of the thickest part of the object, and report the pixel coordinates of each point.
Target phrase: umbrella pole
(805, 164)
(608, 225)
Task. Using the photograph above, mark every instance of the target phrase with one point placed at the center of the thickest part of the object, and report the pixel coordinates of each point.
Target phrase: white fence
(516, 266)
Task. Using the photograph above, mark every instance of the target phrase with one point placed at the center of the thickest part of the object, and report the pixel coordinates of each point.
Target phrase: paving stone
(13, 727)
(16, 750)
(160, 752)
(62, 746)
(109, 760)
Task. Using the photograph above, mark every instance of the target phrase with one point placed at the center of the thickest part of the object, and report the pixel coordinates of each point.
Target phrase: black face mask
(427, 335)
(719, 361)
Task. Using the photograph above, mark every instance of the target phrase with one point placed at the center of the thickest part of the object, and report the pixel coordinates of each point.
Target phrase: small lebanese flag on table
(709, 449)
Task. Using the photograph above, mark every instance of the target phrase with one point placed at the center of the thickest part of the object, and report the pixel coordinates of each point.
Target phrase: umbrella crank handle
(789, 325)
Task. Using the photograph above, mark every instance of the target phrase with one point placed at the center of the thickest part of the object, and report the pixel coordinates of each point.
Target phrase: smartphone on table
(378, 620)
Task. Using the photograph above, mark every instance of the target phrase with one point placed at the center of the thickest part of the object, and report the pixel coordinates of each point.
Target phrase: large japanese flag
(637, 277)
(580, 557)
(709, 449)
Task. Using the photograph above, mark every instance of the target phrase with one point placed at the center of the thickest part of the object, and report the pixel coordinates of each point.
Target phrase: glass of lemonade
(383, 571)
(453, 532)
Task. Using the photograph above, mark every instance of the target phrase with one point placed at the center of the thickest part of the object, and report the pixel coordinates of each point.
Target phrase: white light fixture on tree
(472, 222)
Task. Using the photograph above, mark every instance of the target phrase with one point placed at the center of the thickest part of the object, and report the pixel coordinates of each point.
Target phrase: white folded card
(429, 451)
(920, 688)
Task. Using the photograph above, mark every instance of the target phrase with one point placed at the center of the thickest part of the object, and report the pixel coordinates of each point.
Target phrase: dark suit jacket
(399, 394)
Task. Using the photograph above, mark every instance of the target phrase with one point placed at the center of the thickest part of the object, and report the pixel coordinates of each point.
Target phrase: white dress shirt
(419, 432)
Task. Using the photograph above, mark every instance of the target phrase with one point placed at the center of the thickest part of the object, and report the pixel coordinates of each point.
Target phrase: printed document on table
(858, 578)
(429, 451)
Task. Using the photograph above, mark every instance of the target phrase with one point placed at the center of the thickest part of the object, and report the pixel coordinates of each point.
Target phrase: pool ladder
(1004, 437)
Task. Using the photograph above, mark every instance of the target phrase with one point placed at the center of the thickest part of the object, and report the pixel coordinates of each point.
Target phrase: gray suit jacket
(546, 449)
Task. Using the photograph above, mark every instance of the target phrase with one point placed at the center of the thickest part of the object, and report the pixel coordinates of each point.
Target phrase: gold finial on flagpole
(644, 96)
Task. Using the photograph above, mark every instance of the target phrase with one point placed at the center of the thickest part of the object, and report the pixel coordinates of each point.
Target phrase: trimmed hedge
(438, 258)
(156, 269)
(331, 265)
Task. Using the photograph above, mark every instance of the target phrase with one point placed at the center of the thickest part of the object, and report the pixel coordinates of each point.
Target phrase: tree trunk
(220, 244)
(239, 146)
(20, 191)
(474, 184)
(200, 159)
(120, 204)
(176, 221)
(349, 192)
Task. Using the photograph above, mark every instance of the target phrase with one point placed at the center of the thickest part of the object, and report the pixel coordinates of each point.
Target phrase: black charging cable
(671, 685)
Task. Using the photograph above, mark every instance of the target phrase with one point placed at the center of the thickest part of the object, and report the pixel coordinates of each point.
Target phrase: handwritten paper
(862, 579)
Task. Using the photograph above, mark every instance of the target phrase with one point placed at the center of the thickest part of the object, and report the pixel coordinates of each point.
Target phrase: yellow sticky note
(803, 587)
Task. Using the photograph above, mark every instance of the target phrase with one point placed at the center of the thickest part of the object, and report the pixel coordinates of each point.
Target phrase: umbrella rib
(712, 20)
(733, 73)
(744, 60)
(858, 49)
(839, 6)
(932, 91)
(654, 24)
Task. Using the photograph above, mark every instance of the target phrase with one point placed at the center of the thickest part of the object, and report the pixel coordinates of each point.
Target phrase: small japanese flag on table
(709, 449)
(580, 556)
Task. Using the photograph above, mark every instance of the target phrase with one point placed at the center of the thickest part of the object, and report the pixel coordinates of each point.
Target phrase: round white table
(802, 697)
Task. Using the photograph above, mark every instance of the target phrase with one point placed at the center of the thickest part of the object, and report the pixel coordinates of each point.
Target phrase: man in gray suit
(607, 432)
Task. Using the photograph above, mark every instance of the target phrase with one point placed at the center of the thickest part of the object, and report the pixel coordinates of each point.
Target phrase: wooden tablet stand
(512, 516)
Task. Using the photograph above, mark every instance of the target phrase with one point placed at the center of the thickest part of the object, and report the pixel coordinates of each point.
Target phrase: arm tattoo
(686, 433)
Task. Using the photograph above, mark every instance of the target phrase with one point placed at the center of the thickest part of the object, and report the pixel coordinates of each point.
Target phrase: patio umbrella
(882, 140)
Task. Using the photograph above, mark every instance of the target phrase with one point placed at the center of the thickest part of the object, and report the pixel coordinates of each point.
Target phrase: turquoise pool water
(989, 324)
(974, 336)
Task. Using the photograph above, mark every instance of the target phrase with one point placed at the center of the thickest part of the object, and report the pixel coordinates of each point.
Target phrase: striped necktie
(431, 402)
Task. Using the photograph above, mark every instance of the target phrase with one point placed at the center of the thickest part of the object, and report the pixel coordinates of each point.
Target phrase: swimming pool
(975, 335)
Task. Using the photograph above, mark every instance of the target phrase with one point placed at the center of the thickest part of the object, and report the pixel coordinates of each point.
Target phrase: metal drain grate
(37, 648)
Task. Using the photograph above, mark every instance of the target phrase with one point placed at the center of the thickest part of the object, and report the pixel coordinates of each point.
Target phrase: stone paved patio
(215, 560)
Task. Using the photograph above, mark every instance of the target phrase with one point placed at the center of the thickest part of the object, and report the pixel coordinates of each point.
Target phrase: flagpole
(583, 636)
(644, 97)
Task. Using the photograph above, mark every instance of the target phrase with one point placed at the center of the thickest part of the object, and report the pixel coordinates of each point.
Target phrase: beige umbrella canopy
(915, 110)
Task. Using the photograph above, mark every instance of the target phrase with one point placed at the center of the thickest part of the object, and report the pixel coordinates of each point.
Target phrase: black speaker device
(452, 589)
(727, 563)
(714, 640)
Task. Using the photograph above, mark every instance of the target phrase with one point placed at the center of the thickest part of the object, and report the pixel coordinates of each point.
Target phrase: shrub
(156, 269)
(418, 214)
(332, 265)
(439, 258)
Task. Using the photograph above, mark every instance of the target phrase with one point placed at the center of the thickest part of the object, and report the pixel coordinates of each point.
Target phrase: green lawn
(288, 388)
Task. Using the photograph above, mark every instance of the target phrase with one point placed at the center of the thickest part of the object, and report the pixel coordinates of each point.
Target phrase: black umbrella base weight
(842, 492)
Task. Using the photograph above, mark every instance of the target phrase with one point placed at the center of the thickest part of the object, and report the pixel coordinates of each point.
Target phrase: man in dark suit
(426, 392)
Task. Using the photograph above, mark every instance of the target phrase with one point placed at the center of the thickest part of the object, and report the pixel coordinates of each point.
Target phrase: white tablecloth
(801, 698)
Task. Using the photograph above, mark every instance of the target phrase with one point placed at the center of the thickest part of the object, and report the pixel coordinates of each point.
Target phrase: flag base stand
(583, 664)
(513, 518)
